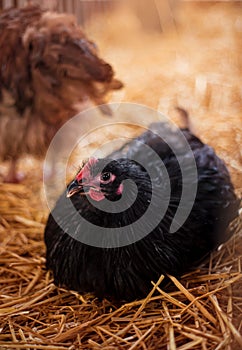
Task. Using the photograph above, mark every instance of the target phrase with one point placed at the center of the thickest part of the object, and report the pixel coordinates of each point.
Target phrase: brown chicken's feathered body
(49, 70)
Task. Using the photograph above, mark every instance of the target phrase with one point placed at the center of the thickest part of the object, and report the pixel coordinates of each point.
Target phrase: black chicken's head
(101, 178)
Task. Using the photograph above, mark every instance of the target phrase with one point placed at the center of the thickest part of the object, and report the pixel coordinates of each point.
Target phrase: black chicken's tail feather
(185, 119)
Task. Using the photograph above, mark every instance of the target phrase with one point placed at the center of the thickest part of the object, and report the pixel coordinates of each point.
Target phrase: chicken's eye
(105, 177)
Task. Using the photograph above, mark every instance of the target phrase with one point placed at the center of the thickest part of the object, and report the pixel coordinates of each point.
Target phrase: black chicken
(95, 258)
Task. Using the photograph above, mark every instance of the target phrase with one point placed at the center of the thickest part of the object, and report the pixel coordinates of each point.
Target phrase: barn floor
(194, 64)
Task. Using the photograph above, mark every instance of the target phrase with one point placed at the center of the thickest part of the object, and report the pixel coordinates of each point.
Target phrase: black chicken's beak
(73, 188)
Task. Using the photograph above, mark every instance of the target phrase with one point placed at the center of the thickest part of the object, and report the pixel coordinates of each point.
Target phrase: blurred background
(152, 12)
(171, 53)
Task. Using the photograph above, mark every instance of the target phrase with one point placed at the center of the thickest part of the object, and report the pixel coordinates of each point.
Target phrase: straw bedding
(196, 65)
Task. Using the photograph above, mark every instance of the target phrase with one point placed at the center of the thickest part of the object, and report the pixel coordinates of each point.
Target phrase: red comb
(85, 171)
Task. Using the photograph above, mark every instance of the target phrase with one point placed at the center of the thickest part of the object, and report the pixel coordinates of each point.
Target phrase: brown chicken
(49, 70)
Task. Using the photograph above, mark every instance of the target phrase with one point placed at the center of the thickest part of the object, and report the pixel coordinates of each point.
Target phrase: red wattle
(96, 196)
